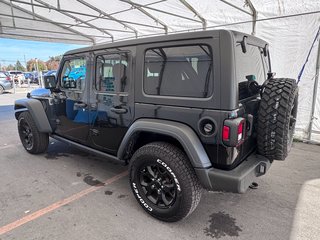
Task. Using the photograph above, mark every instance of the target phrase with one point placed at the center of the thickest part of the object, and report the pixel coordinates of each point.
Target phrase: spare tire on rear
(277, 118)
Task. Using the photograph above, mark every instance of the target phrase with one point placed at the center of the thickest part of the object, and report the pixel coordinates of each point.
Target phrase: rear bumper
(236, 180)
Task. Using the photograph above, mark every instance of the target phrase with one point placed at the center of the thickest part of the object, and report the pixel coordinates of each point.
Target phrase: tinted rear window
(181, 71)
(15, 73)
(252, 62)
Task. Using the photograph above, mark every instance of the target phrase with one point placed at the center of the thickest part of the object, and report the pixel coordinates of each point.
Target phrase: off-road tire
(1, 89)
(40, 141)
(168, 155)
(277, 117)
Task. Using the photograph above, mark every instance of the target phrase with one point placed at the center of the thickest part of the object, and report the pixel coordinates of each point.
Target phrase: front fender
(181, 132)
(37, 112)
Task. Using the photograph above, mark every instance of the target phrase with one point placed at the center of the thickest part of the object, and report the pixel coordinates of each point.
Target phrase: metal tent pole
(315, 93)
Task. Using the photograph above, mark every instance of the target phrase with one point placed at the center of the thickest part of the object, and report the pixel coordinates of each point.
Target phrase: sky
(12, 50)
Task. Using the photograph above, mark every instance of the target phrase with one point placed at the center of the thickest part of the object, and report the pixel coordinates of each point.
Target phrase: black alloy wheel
(158, 185)
(164, 182)
(32, 140)
(26, 134)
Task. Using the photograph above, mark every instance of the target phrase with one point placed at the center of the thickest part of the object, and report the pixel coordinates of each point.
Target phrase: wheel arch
(144, 131)
(37, 112)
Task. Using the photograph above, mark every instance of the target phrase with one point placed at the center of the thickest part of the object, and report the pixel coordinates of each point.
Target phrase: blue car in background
(32, 77)
(28, 75)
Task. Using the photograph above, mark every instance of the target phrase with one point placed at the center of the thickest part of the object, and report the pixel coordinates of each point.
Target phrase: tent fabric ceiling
(92, 21)
(288, 25)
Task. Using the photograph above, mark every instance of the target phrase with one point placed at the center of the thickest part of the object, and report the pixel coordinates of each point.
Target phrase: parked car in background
(32, 77)
(36, 78)
(28, 77)
(17, 76)
(6, 83)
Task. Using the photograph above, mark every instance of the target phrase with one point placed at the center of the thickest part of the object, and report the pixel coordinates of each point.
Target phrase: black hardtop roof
(170, 37)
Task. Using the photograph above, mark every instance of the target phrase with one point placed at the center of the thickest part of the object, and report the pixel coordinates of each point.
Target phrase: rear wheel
(32, 140)
(1, 89)
(164, 182)
(277, 118)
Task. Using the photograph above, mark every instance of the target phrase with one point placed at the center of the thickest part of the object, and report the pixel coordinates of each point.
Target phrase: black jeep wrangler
(186, 112)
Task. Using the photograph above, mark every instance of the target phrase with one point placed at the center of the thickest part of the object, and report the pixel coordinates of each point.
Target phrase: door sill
(88, 149)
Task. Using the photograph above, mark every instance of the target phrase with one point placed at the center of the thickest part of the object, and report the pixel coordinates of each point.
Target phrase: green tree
(53, 62)
(10, 67)
(31, 65)
(18, 66)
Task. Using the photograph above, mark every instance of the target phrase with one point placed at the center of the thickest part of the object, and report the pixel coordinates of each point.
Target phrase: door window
(73, 74)
(111, 73)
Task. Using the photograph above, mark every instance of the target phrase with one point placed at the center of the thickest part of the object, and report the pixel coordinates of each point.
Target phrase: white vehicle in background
(17, 76)
(5, 82)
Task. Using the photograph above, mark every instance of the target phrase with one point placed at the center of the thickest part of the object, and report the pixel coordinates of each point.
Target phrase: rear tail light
(240, 131)
(226, 133)
(8, 78)
(233, 132)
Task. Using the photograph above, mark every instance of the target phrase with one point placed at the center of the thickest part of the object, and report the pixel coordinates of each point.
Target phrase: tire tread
(273, 117)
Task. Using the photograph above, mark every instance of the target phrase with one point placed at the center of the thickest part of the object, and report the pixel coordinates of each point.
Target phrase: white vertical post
(14, 85)
(315, 93)
(38, 72)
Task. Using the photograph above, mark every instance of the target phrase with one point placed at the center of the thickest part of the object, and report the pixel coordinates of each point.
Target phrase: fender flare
(181, 132)
(37, 112)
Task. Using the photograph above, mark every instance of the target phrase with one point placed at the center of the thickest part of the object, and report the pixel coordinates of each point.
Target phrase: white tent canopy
(288, 25)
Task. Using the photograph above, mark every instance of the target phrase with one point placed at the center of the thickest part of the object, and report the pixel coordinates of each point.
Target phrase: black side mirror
(243, 44)
(50, 82)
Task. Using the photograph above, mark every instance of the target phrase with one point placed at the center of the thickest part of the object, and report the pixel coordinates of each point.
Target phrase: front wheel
(32, 140)
(164, 182)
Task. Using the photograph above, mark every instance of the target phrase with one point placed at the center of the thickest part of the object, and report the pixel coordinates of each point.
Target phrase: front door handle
(118, 110)
(80, 104)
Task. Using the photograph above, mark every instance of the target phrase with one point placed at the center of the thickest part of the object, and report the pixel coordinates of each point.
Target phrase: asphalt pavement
(68, 194)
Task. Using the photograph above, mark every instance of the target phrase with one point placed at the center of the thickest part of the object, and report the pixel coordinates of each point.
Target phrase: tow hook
(254, 185)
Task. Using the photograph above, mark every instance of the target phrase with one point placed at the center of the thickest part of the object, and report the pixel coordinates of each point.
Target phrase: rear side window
(15, 73)
(74, 74)
(253, 63)
(181, 71)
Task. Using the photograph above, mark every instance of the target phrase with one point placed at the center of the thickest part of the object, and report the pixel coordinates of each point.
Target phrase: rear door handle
(118, 110)
(80, 104)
